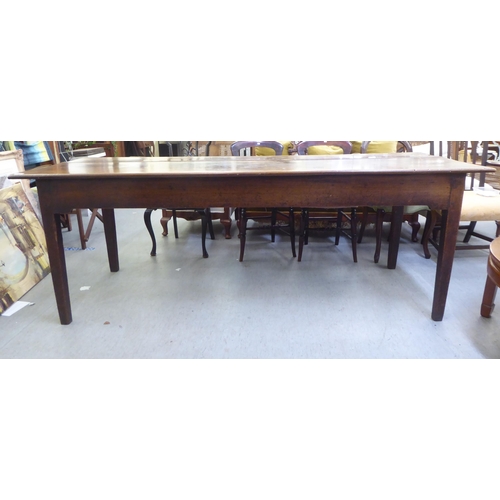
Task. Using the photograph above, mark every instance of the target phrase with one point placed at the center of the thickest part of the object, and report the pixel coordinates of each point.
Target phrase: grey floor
(179, 305)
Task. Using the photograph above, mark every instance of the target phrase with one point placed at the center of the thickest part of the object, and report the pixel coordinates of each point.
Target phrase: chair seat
(475, 206)
(480, 208)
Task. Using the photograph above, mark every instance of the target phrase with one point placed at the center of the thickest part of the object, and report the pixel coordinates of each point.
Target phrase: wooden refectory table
(299, 181)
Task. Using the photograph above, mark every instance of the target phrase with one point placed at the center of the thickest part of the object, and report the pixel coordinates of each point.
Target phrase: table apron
(63, 194)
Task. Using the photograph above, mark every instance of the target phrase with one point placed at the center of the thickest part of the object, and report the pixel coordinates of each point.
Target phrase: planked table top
(199, 166)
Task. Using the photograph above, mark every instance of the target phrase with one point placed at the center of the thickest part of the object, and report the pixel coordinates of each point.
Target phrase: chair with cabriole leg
(223, 214)
(189, 214)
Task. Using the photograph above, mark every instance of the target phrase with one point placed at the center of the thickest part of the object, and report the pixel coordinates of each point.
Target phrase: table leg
(446, 252)
(108, 215)
(396, 223)
(55, 249)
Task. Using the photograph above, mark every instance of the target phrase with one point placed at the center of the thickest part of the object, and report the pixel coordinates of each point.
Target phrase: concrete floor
(179, 305)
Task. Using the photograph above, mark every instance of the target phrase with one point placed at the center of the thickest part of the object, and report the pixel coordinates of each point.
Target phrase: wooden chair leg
(379, 219)
(204, 224)
(65, 221)
(435, 231)
(490, 291)
(415, 228)
(174, 220)
(497, 234)
(274, 213)
(81, 229)
(291, 221)
(304, 222)
(147, 221)
(338, 229)
(243, 231)
(354, 236)
(306, 230)
(391, 229)
(94, 214)
(164, 222)
(469, 232)
(237, 218)
(426, 225)
(364, 221)
(430, 223)
(226, 222)
(208, 213)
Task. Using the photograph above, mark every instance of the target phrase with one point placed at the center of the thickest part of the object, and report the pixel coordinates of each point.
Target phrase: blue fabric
(34, 151)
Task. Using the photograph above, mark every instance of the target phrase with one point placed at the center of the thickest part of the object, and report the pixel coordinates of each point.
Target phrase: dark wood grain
(299, 181)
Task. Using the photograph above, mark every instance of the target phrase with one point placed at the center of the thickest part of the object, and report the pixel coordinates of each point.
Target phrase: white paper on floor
(16, 306)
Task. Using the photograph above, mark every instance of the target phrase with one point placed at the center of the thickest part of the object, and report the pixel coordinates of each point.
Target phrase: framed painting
(23, 251)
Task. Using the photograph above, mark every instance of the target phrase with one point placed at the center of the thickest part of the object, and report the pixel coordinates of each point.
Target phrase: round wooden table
(492, 279)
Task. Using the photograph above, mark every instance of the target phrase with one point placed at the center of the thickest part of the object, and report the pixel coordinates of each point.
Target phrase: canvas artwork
(23, 252)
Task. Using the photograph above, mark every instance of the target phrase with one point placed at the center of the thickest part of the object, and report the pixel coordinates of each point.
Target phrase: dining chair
(66, 153)
(481, 199)
(204, 214)
(327, 217)
(223, 214)
(384, 213)
(201, 213)
(281, 219)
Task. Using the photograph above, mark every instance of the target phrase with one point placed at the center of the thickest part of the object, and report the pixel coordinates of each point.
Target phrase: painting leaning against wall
(23, 252)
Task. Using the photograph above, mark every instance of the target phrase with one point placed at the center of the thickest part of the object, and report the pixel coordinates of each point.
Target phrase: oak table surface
(300, 181)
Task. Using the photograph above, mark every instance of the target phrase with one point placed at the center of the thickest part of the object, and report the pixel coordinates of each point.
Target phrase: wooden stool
(492, 280)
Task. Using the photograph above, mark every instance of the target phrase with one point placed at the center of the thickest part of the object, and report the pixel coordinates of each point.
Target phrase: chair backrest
(168, 145)
(237, 146)
(475, 152)
(456, 150)
(480, 151)
(452, 148)
(402, 147)
(302, 147)
(65, 151)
